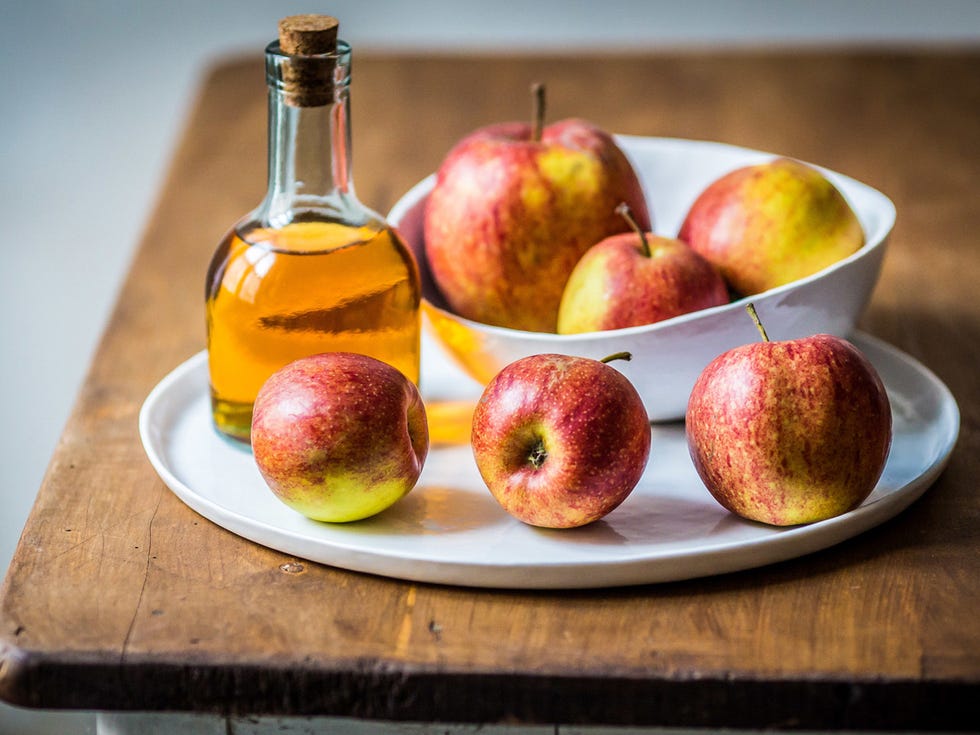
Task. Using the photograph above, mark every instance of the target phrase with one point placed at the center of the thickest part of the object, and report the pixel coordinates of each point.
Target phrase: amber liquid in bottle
(275, 295)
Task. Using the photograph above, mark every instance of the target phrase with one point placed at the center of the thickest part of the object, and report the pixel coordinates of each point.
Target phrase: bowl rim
(885, 210)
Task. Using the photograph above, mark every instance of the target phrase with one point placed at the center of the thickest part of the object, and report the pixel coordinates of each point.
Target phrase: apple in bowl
(770, 224)
(637, 278)
(514, 207)
(669, 355)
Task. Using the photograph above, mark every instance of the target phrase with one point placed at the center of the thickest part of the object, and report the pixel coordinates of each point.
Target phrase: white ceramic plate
(450, 530)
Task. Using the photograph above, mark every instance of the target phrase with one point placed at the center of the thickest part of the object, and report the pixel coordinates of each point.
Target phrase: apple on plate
(771, 223)
(339, 436)
(789, 432)
(637, 278)
(560, 441)
(514, 207)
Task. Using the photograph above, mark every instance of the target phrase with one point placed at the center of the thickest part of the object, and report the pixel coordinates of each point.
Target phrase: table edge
(383, 690)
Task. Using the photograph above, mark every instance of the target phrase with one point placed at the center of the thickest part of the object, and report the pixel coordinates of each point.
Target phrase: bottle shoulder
(278, 210)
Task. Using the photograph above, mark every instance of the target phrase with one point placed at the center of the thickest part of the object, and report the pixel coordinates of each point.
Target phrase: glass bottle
(311, 269)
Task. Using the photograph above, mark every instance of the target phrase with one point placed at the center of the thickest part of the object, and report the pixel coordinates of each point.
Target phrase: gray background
(94, 95)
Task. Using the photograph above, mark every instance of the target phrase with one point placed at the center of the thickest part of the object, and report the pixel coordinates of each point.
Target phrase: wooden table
(121, 598)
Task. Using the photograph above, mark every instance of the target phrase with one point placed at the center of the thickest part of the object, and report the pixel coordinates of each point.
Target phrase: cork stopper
(308, 35)
(309, 41)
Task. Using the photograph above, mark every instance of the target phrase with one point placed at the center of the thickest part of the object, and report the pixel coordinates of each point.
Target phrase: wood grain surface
(120, 597)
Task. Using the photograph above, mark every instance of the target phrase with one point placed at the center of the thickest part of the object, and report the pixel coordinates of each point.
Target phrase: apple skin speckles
(616, 285)
(790, 432)
(339, 436)
(509, 217)
(766, 225)
(560, 441)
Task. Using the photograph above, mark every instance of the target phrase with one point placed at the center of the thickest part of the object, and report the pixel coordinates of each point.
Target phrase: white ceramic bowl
(668, 356)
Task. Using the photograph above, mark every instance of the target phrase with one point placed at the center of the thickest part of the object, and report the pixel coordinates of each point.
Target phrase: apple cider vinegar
(311, 269)
(275, 295)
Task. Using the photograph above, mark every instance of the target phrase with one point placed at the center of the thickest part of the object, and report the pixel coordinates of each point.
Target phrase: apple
(789, 432)
(637, 278)
(772, 223)
(560, 441)
(339, 436)
(514, 207)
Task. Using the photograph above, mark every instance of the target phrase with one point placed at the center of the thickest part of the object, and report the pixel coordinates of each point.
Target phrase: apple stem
(750, 307)
(537, 111)
(623, 210)
(617, 356)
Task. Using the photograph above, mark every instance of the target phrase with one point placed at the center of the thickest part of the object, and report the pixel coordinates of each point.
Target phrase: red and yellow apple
(560, 441)
(790, 432)
(514, 208)
(637, 278)
(769, 224)
(339, 436)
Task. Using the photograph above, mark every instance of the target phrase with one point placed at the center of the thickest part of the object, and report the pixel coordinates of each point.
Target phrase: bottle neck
(309, 140)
